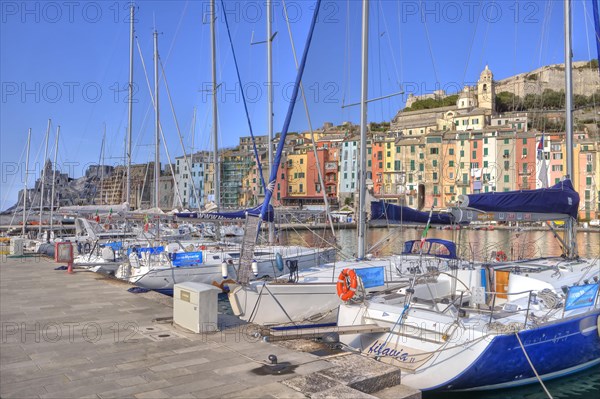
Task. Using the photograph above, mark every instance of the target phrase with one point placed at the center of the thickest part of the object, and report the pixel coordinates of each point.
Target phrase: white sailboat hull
(163, 277)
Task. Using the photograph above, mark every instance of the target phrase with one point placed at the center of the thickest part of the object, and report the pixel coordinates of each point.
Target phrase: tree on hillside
(430, 103)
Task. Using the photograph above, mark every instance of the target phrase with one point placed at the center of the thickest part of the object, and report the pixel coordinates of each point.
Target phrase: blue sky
(70, 61)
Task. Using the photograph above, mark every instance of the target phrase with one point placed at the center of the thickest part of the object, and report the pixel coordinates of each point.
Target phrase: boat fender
(255, 268)
(224, 269)
(346, 285)
(279, 261)
(598, 325)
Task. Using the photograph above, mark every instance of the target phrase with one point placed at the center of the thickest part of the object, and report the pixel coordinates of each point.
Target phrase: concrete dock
(83, 335)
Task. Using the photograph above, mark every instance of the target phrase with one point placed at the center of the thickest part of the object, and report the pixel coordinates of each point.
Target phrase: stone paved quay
(83, 335)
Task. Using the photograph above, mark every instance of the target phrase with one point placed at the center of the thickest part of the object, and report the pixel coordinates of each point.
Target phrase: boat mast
(130, 106)
(270, 102)
(570, 232)
(25, 183)
(43, 179)
(362, 175)
(157, 123)
(102, 165)
(216, 166)
(54, 178)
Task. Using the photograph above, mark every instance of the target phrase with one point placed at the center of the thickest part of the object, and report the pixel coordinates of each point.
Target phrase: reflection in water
(473, 244)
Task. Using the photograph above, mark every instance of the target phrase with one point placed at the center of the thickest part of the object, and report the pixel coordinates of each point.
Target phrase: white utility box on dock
(195, 306)
(17, 246)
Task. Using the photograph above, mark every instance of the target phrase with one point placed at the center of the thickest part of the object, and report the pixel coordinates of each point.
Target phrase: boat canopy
(381, 210)
(432, 246)
(269, 216)
(560, 198)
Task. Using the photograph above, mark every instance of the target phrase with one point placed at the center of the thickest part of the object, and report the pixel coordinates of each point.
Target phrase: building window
(451, 151)
(421, 167)
(434, 150)
(485, 164)
(462, 153)
(506, 179)
(412, 149)
(434, 163)
(485, 152)
(412, 164)
(397, 165)
(588, 181)
(524, 151)
(524, 140)
(451, 163)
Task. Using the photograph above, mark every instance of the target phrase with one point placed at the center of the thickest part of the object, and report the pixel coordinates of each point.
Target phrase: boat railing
(503, 312)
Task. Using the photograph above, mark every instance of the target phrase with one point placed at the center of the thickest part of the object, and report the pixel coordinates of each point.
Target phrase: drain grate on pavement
(159, 333)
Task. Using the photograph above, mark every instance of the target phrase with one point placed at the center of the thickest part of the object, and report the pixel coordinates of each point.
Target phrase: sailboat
(160, 270)
(495, 325)
(313, 296)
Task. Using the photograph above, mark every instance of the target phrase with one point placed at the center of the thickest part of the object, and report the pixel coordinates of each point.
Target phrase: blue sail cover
(560, 198)
(269, 215)
(381, 210)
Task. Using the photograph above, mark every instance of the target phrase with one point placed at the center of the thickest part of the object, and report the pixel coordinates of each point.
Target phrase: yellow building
(449, 169)
(296, 165)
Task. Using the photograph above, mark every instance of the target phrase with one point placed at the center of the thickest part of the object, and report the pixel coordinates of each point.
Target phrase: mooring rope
(532, 367)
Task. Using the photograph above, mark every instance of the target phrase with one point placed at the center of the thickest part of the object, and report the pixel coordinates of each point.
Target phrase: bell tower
(485, 90)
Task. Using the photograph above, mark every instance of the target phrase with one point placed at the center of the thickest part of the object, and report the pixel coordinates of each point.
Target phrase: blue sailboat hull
(556, 350)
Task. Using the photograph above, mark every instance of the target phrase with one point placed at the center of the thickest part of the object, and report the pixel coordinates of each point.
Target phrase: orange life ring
(346, 285)
(501, 256)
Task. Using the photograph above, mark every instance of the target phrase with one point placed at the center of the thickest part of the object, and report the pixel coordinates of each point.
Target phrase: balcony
(331, 167)
(462, 183)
